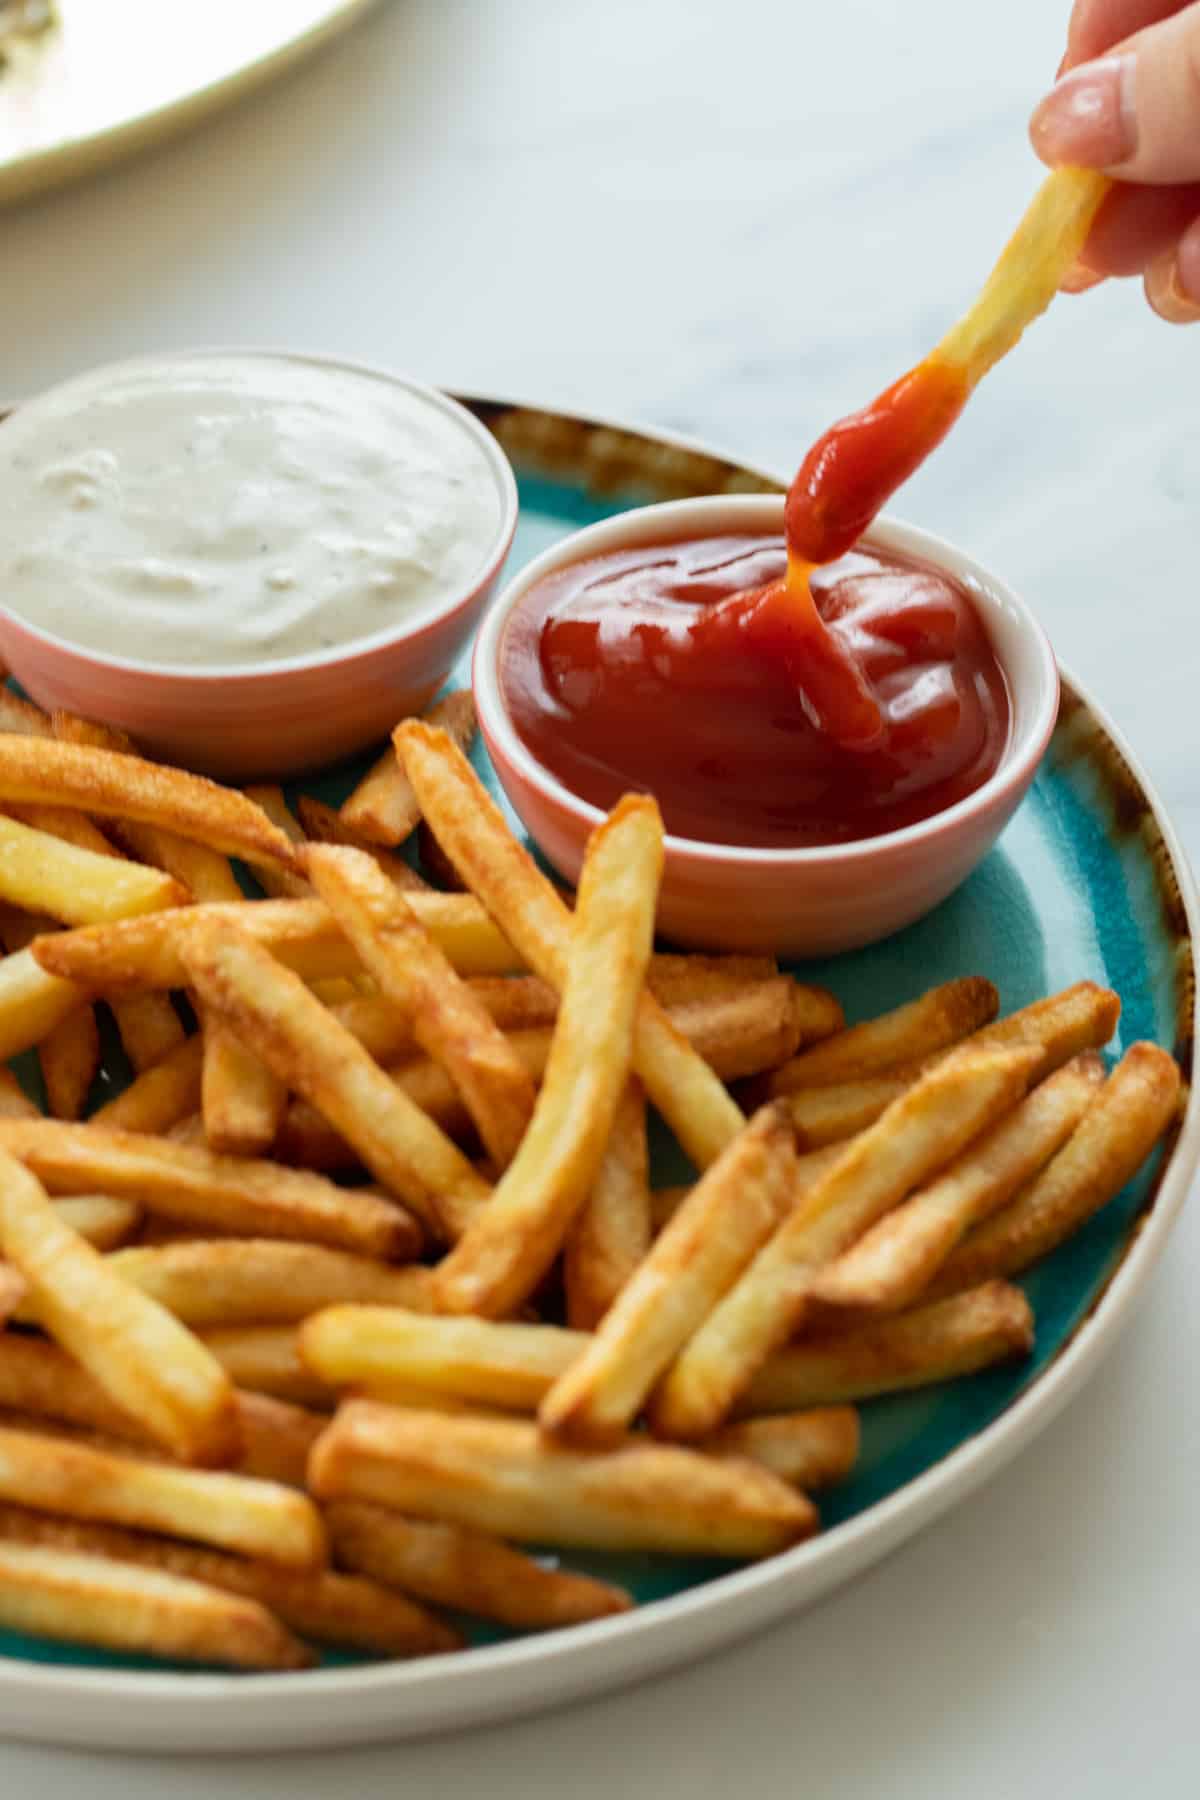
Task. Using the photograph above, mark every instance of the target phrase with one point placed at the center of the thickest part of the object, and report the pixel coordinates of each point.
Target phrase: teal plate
(1087, 882)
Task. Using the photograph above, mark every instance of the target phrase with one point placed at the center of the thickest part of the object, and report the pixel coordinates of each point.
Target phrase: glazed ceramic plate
(1088, 881)
(108, 77)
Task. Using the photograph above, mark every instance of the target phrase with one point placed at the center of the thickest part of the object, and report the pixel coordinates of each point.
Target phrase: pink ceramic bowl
(286, 717)
(810, 902)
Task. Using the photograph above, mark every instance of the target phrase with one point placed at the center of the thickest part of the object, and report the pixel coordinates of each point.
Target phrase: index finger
(1096, 25)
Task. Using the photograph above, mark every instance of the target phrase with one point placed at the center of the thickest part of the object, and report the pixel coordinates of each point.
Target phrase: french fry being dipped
(513, 1240)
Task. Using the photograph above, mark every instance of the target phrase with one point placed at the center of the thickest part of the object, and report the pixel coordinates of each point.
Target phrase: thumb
(1134, 112)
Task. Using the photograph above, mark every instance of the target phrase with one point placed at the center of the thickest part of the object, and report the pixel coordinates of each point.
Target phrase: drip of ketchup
(847, 476)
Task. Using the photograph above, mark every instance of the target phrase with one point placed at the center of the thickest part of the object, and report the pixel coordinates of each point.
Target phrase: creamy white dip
(225, 510)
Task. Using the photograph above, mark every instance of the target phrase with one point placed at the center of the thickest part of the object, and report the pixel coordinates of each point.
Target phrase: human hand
(1127, 100)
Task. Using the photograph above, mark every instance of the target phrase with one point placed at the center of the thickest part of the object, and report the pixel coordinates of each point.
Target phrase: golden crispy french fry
(325, 826)
(385, 1030)
(509, 1246)
(305, 1047)
(448, 1022)
(300, 933)
(1113, 1139)
(918, 1135)
(159, 1097)
(61, 822)
(1025, 280)
(282, 884)
(989, 1324)
(102, 1219)
(190, 1184)
(149, 1027)
(71, 729)
(21, 716)
(233, 1512)
(112, 783)
(383, 807)
(1082, 1017)
(204, 872)
(471, 829)
(829, 1115)
(15, 1103)
(610, 1233)
(731, 1211)
(330, 1609)
(40, 1383)
(483, 1362)
(497, 1475)
(48, 875)
(69, 1057)
(140, 1355)
(250, 1281)
(242, 1100)
(81, 1598)
(941, 1017)
(456, 1567)
(265, 1359)
(32, 1002)
(898, 1257)
(816, 1448)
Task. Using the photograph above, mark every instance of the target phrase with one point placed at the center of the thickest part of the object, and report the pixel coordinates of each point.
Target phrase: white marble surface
(738, 220)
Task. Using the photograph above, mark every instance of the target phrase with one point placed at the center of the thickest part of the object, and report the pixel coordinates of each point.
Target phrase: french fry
(102, 1219)
(975, 1330)
(383, 807)
(32, 1002)
(149, 1026)
(941, 1017)
(113, 783)
(300, 933)
(21, 716)
(918, 1135)
(497, 1475)
(265, 1359)
(282, 884)
(898, 1257)
(160, 1096)
(812, 1449)
(466, 1570)
(509, 1246)
(325, 826)
(90, 1599)
(251, 1281)
(731, 1211)
(433, 859)
(69, 1057)
(204, 872)
(45, 874)
(829, 1115)
(448, 1022)
(471, 829)
(192, 1185)
(150, 1365)
(1082, 1017)
(232, 1512)
(40, 1383)
(385, 1030)
(242, 1100)
(484, 1363)
(1113, 1139)
(71, 729)
(610, 1233)
(330, 1609)
(304, 1046)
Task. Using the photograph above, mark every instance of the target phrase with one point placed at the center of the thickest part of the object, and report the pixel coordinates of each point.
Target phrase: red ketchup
(666, 669)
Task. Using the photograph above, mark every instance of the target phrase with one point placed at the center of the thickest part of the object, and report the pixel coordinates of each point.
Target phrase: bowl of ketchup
(823, 782)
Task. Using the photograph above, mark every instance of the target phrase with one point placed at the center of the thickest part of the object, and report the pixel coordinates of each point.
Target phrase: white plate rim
(379, 1702)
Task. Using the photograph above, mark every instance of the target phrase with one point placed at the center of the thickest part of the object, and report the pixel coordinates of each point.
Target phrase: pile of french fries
(358, 1295)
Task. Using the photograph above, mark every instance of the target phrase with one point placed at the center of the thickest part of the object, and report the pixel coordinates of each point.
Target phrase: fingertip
(1166, 292)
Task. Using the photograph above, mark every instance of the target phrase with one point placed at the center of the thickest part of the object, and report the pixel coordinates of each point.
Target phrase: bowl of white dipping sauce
(253, 562)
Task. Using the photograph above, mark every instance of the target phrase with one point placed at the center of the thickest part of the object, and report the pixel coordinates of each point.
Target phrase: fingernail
(1079, 279)
(1088, 117)
(1167, 294)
